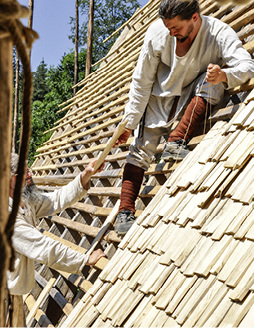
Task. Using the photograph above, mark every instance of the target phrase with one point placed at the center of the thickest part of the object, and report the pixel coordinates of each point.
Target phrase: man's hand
(215, 74)
(123, 137)
(95, 256)
(88, 172)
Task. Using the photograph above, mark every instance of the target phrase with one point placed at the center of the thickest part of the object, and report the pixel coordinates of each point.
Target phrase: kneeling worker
(178, 75)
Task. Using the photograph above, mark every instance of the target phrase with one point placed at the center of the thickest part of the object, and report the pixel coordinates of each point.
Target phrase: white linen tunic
(31, 245)
(160, 74)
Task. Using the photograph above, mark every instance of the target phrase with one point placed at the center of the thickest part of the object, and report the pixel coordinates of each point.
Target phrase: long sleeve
(60, 199)
(142, 81)
(28, 241)
(240, 65)
(31, 245)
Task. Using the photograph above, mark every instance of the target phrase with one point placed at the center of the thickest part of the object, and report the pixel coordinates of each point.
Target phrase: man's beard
(31, 194)
(184, 38)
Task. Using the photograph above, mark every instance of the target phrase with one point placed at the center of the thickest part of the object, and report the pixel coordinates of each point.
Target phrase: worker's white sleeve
(240, 65)
(56, 201)
(142, 83)
(30, 242)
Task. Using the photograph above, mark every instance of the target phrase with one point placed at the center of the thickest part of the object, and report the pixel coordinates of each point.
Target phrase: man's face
(179, 28)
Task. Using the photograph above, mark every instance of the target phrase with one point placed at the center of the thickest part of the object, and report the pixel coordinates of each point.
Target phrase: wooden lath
(81, 135)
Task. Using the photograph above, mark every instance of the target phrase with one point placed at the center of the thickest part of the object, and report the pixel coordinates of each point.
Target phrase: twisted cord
(12, 10)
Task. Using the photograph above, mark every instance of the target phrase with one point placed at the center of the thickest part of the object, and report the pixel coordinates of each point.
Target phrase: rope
(10, 11)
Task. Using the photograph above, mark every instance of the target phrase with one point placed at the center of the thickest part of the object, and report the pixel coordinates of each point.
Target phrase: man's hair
(183, 8)
(14, 163)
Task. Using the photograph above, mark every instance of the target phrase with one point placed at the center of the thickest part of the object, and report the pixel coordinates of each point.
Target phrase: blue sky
(51, 21)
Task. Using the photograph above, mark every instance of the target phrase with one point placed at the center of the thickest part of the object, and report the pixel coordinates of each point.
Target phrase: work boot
(175, 150)
(124, 221)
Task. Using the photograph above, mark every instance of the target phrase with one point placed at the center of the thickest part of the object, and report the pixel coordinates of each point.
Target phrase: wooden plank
(179, 295)
(77, 280)
(248, 319)
(80, 127)
(88, 317)
(200, 250)
(86, 229)
(81, 134)
(231, 264)
(56, 295)
(40, 316)
(156, 279)
(238, 187)
(139, 312)
(77, 311)
(39, 300)
(239, 220)
(245, 227)
(242, 266)
(227, 216)
(127, 303)
(196, 298)
(98, 296)
(204, 304)
(110, 144)
(243, 287)
(212, 177)
(169, 289)
(244, 19)
(102, 231)
(237, 311)
(241, 152)
(110, 298)
(217, 248)
(92, 209)
(142, 271)
(207, 195)
(115, 301)
(219, 291)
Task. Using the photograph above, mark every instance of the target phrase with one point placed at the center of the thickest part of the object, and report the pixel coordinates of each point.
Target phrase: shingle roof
(188, 259)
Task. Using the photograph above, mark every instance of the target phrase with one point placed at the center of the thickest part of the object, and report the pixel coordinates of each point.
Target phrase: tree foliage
(53, 85)
(109, 15)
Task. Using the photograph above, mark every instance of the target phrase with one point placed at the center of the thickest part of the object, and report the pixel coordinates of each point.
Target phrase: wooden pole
(76, 47)
(5, 149)
(90, 38)
(16, 107)
(30, 19)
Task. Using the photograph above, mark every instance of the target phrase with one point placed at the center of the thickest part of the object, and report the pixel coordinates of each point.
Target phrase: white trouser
(143, 148)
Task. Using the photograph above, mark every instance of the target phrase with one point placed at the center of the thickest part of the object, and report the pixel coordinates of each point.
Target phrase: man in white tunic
(178, 75)
(31, 245)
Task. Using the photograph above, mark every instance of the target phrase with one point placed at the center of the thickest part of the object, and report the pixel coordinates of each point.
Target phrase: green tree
(109, 15)
(40, 86)
(52, 86)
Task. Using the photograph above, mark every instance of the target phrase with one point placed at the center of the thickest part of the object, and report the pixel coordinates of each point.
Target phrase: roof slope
(79, 136)
(189, 259)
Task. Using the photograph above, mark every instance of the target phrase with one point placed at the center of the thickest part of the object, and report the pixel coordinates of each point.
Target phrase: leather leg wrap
(132, 180)
(193, 116)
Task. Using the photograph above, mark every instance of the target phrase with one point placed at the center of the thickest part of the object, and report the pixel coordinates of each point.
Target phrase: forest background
(53, 85)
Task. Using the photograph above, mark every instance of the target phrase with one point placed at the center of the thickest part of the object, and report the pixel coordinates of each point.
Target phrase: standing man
(31, 245)
(178, 74)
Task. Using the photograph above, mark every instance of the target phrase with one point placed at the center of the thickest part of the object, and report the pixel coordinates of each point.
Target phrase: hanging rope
(22, 37)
